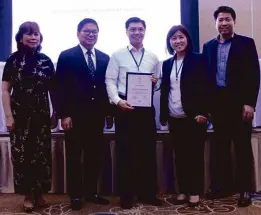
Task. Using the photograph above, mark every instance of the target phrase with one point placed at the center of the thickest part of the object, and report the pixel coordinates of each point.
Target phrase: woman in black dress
(27, 79)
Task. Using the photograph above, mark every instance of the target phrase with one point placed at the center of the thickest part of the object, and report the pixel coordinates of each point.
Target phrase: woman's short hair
(27, 28)
(182, 29)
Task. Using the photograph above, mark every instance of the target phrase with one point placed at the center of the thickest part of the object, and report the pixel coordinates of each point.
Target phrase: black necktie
(91, 64)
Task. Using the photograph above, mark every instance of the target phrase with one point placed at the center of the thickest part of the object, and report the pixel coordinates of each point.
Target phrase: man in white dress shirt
(135, 126)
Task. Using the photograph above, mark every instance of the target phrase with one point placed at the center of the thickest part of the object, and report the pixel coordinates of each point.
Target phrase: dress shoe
(40, 201)
(194, 201)
(244, 200)
(193, 204)
(97, 199)
(28, 204)
(181, 199)
(76, 204)
(150, 201)
(126, 201)
(126, 204)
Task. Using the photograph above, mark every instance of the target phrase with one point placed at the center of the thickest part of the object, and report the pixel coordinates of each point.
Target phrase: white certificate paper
(139, 89)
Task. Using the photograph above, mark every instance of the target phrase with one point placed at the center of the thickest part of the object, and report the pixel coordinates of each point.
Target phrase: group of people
(88, 88)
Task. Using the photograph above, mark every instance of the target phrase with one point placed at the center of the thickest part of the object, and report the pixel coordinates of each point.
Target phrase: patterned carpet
(11, 204)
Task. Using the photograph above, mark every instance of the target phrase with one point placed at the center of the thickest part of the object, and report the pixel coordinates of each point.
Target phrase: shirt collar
(226, 41)
(132, 48)
(84, 50)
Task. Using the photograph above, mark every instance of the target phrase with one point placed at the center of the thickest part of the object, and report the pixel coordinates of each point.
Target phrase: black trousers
(229, 127)
(188, 142)
(86, 137)
(136, 152)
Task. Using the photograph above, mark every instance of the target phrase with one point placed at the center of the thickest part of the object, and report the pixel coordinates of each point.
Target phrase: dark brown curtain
(5, 29)
(190, 19)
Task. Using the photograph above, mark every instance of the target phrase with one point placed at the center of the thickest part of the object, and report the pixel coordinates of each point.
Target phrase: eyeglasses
(88, 32)
(36, 34)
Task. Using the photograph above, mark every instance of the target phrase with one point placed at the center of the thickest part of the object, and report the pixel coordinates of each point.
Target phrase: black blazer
(78, 94)
(243, 72)
(193, 86)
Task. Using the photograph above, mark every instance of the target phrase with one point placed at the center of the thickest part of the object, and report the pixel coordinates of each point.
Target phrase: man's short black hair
(86, 21)
(225, 9)
(134, 19)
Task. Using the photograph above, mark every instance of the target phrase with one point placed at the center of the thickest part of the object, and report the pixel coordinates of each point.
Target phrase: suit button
(92, 98)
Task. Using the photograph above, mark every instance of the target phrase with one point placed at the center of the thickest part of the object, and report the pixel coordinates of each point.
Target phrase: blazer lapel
(233, 50)
(185, 65)
(213, 58)
(171, 62)
(80, 59)
(169, 66)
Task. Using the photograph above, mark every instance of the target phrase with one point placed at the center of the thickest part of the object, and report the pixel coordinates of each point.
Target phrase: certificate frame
(145, 89)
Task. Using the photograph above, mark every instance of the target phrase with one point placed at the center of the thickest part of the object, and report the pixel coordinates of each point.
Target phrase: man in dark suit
(83, 106)
(235, 77)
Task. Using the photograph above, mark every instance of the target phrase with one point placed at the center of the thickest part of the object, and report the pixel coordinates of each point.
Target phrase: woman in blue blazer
(183, 106)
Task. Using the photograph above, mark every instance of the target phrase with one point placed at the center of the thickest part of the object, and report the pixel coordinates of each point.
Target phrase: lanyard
(138, 65)
(178, 70)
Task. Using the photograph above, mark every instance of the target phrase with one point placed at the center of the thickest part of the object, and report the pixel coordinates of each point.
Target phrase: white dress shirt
(84, 50)
(122, 62)
(175, 105)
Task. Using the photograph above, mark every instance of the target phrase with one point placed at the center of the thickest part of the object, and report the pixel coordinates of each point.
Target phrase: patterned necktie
(91, 64)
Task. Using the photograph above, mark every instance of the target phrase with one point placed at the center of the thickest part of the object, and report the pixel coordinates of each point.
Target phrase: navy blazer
(78, 94)
(242, 72)
(193, 86)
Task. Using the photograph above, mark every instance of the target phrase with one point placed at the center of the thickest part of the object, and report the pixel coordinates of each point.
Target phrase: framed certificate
(139, 89)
